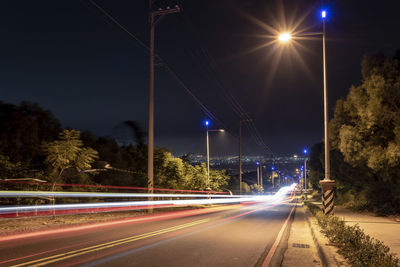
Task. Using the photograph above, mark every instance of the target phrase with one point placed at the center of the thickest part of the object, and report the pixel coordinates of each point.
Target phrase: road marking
(140, 219)
(67, 255)
(277, 241)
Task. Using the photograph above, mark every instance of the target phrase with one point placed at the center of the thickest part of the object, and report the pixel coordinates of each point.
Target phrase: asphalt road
(237, 235)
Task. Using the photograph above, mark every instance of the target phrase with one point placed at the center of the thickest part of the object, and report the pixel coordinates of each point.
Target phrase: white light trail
(280, 195)
(96, 194)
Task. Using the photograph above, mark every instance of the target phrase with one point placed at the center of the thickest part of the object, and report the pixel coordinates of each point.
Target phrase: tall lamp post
(327, 184)
(272, 176)
(258, 173)
(305, 152)
(207, 123)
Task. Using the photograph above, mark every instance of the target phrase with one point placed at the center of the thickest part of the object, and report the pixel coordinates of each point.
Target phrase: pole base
(328, 196)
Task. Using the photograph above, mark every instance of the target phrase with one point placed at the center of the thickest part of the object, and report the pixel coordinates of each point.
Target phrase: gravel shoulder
(31, 224)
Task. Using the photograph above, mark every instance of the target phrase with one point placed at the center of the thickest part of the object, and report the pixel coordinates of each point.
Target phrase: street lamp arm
(309, 34)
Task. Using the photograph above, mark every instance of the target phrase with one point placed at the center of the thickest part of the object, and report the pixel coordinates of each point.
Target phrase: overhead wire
(235, 105)
(212, 68)
(165, 65)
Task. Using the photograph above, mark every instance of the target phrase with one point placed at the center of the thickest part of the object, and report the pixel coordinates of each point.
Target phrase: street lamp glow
(305, 151)
(323, 14)
(206, 123)
(221, 130)
(285, 37)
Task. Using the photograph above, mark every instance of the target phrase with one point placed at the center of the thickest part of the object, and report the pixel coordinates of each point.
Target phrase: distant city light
(272, 168)
(305, 151)
(258, 163)
(323, 14)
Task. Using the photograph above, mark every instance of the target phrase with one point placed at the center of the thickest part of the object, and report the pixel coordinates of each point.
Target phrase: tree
(7, 168)
(315, 165)
(172, 172)
(137, 132)
(67, 152)
(23, 128)
(365, 132)
(218, 180)
(366, 125)
(245, 188)
(256, 189)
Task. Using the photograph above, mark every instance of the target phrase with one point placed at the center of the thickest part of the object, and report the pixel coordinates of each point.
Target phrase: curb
(321, 253)
(327, 253)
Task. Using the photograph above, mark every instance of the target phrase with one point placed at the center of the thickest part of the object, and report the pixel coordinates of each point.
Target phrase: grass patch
(358, 248)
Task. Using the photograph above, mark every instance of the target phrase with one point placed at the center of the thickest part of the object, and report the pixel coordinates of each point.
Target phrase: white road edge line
(277, 241)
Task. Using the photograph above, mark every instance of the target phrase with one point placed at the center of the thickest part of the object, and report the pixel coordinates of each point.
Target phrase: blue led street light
(323, 14)
(207, 122)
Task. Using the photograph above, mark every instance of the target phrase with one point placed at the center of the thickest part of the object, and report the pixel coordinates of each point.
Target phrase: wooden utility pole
(240, 156)
(241, 120)
(154, 18)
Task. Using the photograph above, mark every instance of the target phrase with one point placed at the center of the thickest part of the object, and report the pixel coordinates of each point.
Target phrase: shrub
(358, 248)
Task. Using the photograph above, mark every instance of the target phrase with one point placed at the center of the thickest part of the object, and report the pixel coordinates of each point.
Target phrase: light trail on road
(103, 195)
(121, 250)
(137, 205)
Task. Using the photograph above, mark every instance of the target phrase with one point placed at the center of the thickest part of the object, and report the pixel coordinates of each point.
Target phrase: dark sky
(70, 58)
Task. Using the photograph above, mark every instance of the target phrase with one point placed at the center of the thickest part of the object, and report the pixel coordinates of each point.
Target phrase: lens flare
(285, 37)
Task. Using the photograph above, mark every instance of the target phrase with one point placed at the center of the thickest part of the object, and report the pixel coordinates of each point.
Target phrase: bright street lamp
(207, 123)
(285, 37)
(327, 184)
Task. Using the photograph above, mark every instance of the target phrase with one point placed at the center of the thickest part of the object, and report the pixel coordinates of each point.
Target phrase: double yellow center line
(82, 251)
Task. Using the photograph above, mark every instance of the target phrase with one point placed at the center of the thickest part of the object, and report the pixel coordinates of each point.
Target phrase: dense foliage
(365, 139)
(33, 145)
(23, 128)
(67, 153)
(353, 244)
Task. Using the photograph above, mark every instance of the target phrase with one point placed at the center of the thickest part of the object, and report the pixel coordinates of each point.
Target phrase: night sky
(73, 60)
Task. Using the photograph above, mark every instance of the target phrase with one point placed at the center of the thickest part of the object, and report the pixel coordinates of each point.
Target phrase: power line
(212, 67)
(235, 105)
(167, 68)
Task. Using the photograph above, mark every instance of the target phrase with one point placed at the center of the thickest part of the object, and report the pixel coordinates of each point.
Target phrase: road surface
(236, 235)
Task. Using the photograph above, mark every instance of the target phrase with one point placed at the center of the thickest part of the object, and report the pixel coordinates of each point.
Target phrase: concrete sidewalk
(301, 248)
(306, 245)
(384, 229)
